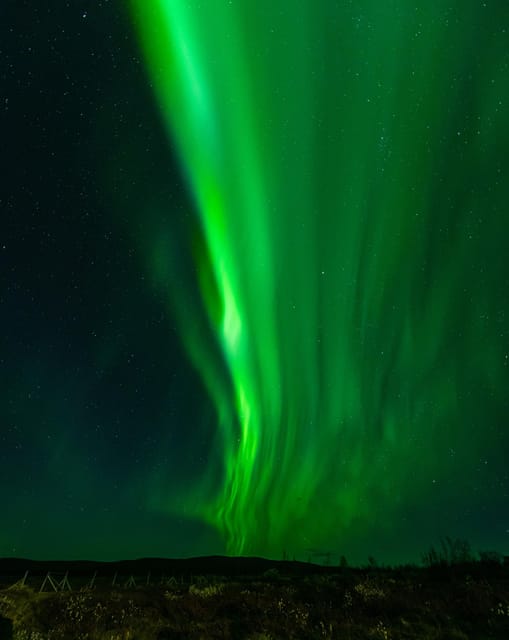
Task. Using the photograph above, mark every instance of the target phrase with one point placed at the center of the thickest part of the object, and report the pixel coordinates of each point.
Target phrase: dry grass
(352, 605)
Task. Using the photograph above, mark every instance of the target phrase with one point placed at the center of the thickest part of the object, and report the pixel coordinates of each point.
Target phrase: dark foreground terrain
(251, 599)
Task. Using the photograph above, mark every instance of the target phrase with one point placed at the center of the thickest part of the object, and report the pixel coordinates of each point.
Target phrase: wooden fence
(56, 582)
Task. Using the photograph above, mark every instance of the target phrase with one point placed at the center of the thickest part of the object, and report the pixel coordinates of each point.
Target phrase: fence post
(64, 584)
(131, 582)
(91, 585)
(52, 582)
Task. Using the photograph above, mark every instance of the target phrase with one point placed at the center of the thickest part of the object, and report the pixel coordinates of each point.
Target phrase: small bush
(369, 590)
(207, 591)
(493, 558)
(451, 552)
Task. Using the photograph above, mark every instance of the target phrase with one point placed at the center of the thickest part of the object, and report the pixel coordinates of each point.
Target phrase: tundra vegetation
(454, 595)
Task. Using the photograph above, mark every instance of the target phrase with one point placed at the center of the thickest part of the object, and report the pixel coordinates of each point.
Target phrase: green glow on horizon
(340, 239)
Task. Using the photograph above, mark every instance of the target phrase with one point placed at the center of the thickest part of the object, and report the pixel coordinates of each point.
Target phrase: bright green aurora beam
(338, 156)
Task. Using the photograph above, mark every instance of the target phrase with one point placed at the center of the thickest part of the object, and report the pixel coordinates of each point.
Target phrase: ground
(470, 602)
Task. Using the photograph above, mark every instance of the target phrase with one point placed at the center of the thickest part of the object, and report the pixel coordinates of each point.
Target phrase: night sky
(254, 277)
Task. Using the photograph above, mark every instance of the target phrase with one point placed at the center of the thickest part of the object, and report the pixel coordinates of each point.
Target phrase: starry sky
(254, 295)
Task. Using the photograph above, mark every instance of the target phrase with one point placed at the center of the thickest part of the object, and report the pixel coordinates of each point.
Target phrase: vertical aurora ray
(328, 148)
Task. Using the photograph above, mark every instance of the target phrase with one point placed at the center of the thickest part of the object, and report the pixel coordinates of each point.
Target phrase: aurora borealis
(315, 196)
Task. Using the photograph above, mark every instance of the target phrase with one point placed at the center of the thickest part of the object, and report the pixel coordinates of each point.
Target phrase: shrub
(207, 591)
(451, 552)
(490, 557)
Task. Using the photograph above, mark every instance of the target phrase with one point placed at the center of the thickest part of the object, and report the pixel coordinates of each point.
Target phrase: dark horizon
(313, 559)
